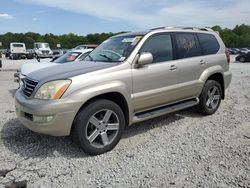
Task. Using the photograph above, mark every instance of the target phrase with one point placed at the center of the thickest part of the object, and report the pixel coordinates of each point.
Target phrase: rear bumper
(227, 79)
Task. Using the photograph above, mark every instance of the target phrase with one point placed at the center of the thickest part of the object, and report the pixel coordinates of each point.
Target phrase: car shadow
(28, 144)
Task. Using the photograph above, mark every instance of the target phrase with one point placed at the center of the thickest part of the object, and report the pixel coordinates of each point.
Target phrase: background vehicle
(244, 50)
(74, 55)
(86, 46)
(58, 53)
(128, 78)
(243, 57)
(30, 54)
(17, 51)
(232, 51)
(43, 50)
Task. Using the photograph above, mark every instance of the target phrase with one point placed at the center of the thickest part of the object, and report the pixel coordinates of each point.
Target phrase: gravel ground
(183, 149)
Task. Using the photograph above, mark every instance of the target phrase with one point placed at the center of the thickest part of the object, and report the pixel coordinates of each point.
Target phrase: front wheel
(98, 127)
(210, 97)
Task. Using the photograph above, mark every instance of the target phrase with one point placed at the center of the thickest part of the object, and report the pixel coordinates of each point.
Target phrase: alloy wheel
(102, 128)
(213, 98)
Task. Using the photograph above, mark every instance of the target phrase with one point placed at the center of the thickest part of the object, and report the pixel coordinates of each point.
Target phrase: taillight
(227, 55)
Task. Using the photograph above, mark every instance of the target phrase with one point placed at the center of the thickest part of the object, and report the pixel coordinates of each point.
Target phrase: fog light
(42, 119)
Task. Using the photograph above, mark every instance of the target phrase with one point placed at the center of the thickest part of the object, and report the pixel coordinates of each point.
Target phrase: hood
(31, 67)
(67, 70)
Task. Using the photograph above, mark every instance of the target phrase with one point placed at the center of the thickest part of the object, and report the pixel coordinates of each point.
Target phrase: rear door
(190, 64)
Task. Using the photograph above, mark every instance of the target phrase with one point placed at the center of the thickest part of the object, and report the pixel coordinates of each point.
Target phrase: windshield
(41, 45)
(17, 45)
(68, 57)
(115, 49)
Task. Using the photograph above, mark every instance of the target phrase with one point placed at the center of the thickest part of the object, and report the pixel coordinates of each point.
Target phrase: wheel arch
(219, 78)
(115, 97)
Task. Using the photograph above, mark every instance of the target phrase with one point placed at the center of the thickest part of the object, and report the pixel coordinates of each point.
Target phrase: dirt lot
(183, 149)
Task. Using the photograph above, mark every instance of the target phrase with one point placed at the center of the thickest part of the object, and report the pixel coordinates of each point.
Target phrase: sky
(95, 16)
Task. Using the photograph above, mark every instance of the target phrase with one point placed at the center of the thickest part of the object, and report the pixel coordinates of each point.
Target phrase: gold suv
(129, 78)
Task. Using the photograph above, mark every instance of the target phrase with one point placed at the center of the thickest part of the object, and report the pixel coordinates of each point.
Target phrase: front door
(155, 84)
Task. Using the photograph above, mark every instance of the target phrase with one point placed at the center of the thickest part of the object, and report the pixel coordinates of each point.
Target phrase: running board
(142, 116)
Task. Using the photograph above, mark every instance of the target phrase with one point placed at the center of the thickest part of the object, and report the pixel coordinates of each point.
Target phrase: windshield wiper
(109, 58)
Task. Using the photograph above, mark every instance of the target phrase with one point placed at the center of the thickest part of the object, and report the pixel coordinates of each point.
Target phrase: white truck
(17, 50)
(42, 50)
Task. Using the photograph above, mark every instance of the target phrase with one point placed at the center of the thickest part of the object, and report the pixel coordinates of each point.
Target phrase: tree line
(237, 37)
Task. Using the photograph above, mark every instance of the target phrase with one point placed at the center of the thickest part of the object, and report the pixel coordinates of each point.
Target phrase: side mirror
(145, 58)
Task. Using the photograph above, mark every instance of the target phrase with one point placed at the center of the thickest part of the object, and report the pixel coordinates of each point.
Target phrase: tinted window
(187, 45)
(160, 46)
(209, 44)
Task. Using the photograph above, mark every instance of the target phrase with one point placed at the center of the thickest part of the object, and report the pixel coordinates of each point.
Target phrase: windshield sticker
(122, 59)
(136, 39)
(128, 39)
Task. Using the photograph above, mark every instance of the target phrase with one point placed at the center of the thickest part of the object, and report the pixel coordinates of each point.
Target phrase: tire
(242, 59)
(98, 127)
(209, 105)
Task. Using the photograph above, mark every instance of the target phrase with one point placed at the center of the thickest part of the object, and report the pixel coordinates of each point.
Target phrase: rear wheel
(98, 127)
(242, 59)
(210, 97)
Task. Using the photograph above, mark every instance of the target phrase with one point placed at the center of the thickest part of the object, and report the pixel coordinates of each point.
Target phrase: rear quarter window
(208, 43)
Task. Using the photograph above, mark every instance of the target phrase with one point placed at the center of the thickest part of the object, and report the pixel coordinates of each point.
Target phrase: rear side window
(209, 43)
(187, 46)
(160, 46)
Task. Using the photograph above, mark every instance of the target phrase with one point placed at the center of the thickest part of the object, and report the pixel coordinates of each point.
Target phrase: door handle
(172, 68)
(202, 62)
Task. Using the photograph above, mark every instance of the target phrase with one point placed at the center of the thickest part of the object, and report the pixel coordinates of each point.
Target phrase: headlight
(52, 90)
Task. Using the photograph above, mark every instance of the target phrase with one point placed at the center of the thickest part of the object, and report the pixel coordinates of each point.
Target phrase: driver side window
(160, 46)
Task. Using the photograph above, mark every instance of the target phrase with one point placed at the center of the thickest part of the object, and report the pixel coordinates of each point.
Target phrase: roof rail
(156, 28)
(199, 28)
(185, 28)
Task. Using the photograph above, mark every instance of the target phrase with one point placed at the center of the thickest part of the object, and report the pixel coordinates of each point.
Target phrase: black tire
(242, 59)
(83, 127)
(210, 107)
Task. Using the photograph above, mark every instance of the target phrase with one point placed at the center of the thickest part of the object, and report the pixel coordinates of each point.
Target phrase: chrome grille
(28, 86)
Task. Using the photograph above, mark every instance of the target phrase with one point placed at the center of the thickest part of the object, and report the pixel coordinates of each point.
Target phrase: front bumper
(63, 112)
